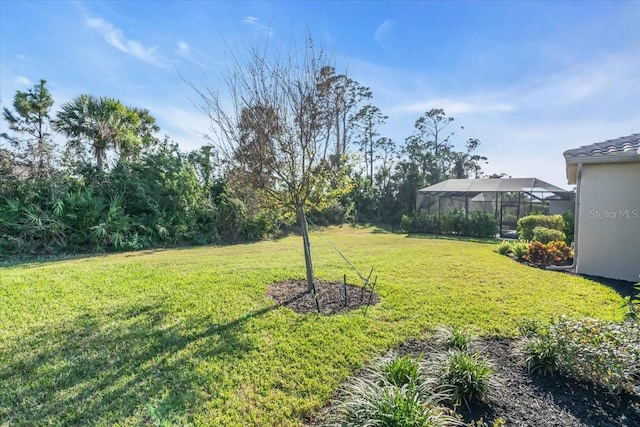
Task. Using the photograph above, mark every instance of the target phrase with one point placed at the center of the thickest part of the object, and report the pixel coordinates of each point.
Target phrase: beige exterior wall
(608, 242)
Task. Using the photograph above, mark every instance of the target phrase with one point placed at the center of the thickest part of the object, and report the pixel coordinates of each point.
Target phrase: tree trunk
(311, 287)
(99, 158)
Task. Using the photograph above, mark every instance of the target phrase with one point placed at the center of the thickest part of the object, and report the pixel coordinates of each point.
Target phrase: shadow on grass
(35, 260)
(487, 240)
(622, 287)
(133, 366)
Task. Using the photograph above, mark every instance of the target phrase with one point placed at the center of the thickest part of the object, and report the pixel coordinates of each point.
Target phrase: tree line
(298, 141)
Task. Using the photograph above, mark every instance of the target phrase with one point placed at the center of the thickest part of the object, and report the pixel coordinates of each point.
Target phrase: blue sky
(529, 79)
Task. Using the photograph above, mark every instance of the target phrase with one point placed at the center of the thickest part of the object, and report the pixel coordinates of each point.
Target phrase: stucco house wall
(608, 235)
(607, 220)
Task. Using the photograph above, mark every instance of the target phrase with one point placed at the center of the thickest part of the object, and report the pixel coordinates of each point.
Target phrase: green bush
(528, 223)
(632, 305)
(467, 375)
(476, 224)
(569, 226)
(421, 222)
(483, 224)
(604, 353)
(547, 235)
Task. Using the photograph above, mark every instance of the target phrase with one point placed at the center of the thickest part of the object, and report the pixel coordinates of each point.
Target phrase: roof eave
(620, 158)
(573, 162)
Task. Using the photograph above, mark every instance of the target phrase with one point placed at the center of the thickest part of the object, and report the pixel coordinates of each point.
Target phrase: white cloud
(610, 79)
(115, 37)
(453, 107)
(23, 81)
(255, 24)
(186, 127)
(21, 57)
(183, 48)
(524, 127)
(251, 20)
(382, 32)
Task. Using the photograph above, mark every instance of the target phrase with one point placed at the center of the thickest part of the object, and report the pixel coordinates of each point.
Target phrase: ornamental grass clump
(503, 247)
(401, 371)
(396, 392)
(540, 355)
(452, 338)
(519, 249)
(370, 404)
(467, 376)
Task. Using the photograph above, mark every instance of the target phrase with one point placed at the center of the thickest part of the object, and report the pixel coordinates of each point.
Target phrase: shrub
(476, 224)
(538, 254)
(632, 304)
(406, 223)
(451, 338)
(467, 375)
(547, 235)
(519, 249)
(503, 247)
(569, 226)
(529, 328)
(421, 222)
(483, 224)
(604, 353)
(560, 251)
(528, 223)
(455, 222)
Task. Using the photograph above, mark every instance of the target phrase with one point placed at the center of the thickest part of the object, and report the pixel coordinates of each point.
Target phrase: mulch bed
(521, 399)
(293, 294)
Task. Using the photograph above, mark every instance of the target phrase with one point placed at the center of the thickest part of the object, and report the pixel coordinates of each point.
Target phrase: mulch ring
(522, 399)
(293, 294)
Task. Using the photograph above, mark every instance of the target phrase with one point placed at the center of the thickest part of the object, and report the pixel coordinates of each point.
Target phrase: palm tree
(105, 123)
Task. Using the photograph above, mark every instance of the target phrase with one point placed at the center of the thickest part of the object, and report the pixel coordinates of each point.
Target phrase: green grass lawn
(187, 336)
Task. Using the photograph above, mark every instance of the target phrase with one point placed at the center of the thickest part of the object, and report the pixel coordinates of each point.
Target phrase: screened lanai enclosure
(508, 199)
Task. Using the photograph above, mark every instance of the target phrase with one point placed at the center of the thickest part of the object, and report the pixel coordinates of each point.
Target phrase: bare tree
(272, 126)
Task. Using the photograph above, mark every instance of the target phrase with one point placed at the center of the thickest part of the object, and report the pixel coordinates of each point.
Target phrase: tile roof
(620, 150)
(626, 146)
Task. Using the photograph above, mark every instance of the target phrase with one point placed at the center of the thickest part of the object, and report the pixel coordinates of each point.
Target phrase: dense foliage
(605, 353)
(543, 241)
(156, 200)
(569, 226)
(114, 185)
(527, 224)
(547, 235)
(475, 224)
